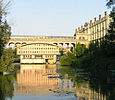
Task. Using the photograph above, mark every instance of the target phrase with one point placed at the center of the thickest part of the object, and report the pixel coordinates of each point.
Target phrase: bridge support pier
(21, 58)
(33, 56)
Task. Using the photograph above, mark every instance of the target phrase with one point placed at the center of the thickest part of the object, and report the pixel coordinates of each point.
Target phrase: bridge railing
(42, 37)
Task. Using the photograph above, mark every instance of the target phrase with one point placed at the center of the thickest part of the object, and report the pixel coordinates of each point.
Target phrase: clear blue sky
(52, 17)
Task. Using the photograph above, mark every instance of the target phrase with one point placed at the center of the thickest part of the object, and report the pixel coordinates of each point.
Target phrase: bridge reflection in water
(40, 80)
(50, 82)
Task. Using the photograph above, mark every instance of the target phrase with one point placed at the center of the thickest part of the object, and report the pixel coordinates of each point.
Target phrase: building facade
(38, 53)
(93, 30)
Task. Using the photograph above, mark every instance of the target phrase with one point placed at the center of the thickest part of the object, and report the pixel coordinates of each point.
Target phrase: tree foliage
(67, 59)
(71, 57)
(5, 30)
(110, 3)
(110, 37)
(6, 55)
(7, 58)
(80, 49)
(6, 86)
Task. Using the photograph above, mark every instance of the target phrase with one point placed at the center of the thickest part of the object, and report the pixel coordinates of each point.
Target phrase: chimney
(95, 19)
(99, 17)
(78, 28)
(90, 21)
(82, 27)
(105, 13)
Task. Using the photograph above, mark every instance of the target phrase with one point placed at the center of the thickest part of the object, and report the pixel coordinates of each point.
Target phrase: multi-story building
(38, 53)
(93, 30)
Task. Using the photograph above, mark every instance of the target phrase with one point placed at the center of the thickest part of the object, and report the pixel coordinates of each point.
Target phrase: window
(92, 36)
(79, 37)
(100, 30)
(103, 29)
(97, 32)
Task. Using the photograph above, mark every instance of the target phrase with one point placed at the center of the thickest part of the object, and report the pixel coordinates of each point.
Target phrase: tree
(6, 86)
(110, 3)
(80, 49)
(6, 55)
(4, 27)
(68, 59)
(111, 31)
(110, 37)
(6, 63)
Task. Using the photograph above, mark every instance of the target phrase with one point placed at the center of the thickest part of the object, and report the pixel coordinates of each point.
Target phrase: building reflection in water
(40, 79)
(86, 89)
(84, 92)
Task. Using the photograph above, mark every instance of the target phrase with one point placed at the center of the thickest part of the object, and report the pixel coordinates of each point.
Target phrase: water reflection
(84, 92)
(91, 85)
(6, 86)
(42, 80)
(50, 82)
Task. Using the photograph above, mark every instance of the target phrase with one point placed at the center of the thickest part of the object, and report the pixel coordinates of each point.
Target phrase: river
(48, 82)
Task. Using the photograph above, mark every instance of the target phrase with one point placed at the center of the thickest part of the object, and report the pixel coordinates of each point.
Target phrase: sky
(52, 17)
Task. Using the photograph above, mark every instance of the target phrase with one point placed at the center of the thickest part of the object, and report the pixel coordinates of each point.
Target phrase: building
(38, 53)
(93, 30)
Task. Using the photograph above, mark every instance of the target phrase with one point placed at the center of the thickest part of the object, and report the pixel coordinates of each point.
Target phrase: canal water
(51, 82)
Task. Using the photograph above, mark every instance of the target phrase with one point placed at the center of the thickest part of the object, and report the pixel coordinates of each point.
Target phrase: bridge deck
(42, 37)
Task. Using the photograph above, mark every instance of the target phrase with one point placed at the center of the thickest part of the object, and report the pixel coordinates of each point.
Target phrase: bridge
(63, 41)
(41, 49)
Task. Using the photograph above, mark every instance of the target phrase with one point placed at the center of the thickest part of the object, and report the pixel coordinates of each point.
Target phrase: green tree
(4, 27)
(6, 55)
(110, 37)
(61, 52)
(68, 59)
(7, 58)
(110, 3)
(6, 86)
(80, 50)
